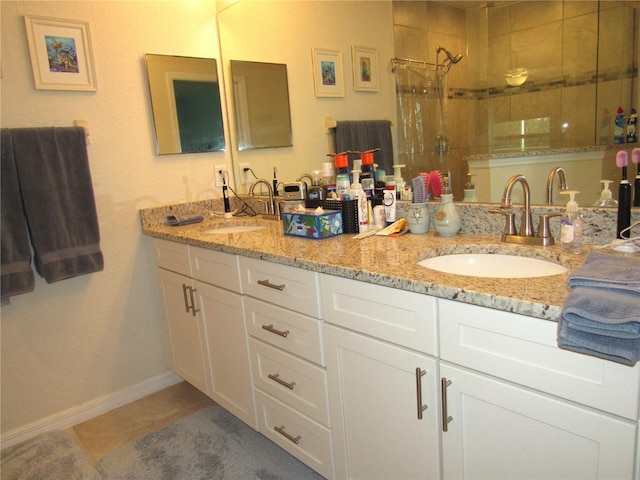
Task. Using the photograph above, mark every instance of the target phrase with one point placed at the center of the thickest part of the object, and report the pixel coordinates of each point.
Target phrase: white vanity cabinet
(383, 395)
(283, 318)
(513, 403)
(205, 321)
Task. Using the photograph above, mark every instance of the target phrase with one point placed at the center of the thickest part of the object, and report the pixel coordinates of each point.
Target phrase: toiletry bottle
(400, 184)
(343, 183)
(359, 194)
(605, 199)
(469, 190)
(447, 221)
(618, 128)
(632, 127)
(390, 199)
(571, 225)
(367, 178)
(316, 191)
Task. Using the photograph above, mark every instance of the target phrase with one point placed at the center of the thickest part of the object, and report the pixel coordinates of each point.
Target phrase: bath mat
(48, 456)
(209, 444)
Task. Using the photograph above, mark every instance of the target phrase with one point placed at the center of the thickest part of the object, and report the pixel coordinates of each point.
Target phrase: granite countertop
(391, 261)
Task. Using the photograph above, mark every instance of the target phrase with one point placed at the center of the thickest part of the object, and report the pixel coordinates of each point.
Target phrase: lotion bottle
(571, 225)
(447, 221)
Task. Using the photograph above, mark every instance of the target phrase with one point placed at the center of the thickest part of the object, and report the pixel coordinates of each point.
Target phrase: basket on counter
(349, 211)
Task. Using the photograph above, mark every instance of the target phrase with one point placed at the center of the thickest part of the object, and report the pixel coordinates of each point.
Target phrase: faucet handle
(543, 226)
(510, 217)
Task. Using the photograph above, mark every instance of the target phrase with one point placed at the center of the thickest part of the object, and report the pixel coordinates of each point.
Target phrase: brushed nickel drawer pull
(194, 310)
(186, 301)
(281, 431)
(270, 328)
(421, 408)
(267, 283)
(276, 378)
(444, 383)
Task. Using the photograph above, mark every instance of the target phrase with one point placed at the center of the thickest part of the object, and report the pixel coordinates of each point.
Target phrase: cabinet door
(226, 338)
(184, 329)
(500, 430)
(375, 392)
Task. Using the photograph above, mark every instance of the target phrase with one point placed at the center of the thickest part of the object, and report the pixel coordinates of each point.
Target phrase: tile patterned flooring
(109, 431)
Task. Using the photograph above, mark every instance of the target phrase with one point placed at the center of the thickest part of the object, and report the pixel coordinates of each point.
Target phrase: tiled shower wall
(579, 54)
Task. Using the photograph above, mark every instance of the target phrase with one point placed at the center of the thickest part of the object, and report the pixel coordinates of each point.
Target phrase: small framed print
(61, 55)
(365, 69)
(328, 73)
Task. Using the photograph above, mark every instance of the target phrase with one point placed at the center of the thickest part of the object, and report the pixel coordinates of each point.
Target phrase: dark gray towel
(366, 135)
(15, 251)
(53, 169)
(179, 220)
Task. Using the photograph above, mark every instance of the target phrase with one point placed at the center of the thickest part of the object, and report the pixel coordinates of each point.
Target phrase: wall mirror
(261, 105)
(185, 99)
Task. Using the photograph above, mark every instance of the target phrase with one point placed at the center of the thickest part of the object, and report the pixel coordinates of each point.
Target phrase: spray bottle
(571, 225)
(605, 199)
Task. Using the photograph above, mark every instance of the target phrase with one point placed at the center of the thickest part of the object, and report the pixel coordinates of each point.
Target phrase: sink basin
(491, 265)
(235, 229)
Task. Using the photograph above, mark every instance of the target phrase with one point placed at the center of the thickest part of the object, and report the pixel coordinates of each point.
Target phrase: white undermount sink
(492, 265)
(235, 229)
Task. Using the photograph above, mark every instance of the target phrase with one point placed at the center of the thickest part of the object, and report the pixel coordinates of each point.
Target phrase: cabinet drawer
(172, 256)
(290, 379)
(313, 447)
(216, 268)
(393, 315)
(293, 332)
(282, 285)
(524, 350)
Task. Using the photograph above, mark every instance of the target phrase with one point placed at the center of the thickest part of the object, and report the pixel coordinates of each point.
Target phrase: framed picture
(61, 55)
(365, 69)
(327, 73)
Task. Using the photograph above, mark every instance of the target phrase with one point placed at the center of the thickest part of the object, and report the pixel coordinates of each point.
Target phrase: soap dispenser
(470, 190)
(605, 199)
(447, 221)
(571, 225)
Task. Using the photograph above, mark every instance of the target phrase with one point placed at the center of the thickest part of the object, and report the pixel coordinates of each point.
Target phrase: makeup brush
(635, 158)
(624, 195)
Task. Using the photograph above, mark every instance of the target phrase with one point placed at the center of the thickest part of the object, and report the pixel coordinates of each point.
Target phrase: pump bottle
(605, 199)
(571, 225)
(447, 221)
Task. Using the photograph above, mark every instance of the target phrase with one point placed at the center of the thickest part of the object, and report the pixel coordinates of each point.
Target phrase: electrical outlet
(218, 169)
(245, 175)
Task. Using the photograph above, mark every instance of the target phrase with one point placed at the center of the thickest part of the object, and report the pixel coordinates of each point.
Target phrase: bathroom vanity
(364, 364)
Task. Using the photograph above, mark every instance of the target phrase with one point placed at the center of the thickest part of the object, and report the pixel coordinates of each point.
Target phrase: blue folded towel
(607, 270)
(620, 350)
(179, 220)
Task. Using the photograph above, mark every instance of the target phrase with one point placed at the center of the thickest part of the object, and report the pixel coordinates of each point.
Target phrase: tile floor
(105, 433)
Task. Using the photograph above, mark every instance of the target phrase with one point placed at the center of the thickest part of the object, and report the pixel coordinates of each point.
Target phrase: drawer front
(172, 256)
(282, 285)
(524, 350)
(293, 332)
(290, 379)
(303, 438)
(216, 268)
(393, 315)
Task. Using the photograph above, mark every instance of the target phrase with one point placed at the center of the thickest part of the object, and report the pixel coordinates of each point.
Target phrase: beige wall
(80, 339)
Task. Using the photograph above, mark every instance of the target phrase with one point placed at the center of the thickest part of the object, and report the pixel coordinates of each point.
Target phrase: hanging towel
(608, 271)
(15, 251)
(366, 135)
(53, 169)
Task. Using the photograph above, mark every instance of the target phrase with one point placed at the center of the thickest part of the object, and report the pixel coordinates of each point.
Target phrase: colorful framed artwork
(365, 69)
(61, 55)
(328, 73)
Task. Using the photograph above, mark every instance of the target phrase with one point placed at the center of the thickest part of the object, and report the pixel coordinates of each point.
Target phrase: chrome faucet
(562, 179)
(525, 235)
(272, 208)
(302, 176)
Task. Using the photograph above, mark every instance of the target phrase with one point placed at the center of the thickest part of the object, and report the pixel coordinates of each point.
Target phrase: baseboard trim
(86, 411)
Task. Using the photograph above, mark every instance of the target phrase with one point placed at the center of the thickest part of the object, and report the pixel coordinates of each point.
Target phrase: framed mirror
(261, 105)
(185, 99)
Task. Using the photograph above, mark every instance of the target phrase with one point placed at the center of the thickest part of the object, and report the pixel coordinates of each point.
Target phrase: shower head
(452, 59)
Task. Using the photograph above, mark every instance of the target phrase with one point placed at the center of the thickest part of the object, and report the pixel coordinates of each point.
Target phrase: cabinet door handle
(267, 283)
(276, 378)
(270, 328)
(186, 301)
(444, 383)
(194, 310)
(291, 438)
(421, 408)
